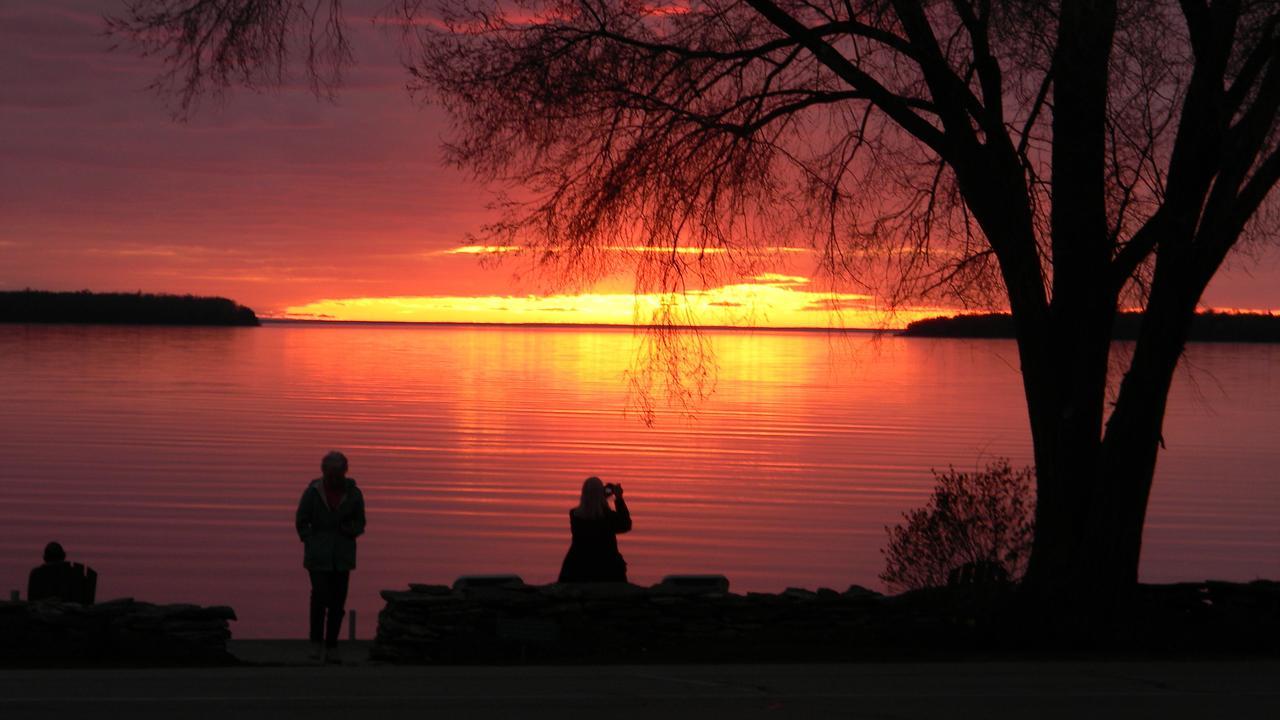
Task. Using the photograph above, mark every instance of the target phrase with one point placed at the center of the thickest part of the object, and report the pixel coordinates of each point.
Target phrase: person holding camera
(593, 554)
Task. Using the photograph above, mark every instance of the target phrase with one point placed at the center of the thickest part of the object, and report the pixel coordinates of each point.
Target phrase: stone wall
(123, 631)
(628, 623)
(664, 623)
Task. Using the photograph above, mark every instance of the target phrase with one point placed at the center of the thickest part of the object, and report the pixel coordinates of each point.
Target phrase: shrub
(985, 516)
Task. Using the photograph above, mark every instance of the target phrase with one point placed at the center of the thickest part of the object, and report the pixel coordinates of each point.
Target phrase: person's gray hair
(334, 459)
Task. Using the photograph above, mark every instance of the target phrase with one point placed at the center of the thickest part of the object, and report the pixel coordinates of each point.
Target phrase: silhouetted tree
(984, 516)
(1064, 157)
(210, 45)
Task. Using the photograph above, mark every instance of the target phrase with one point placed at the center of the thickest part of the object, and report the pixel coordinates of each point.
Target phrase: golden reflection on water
(170, 459)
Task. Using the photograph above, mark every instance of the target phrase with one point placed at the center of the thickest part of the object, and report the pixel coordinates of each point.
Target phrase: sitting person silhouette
(58, 579)
(593, 553)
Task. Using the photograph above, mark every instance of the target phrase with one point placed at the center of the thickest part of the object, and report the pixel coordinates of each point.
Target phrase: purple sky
(272, 198)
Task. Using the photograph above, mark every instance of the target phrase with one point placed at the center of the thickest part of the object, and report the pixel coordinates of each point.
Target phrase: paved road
(887, 690)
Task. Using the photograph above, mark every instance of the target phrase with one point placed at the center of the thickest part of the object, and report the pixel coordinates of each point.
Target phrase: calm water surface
(171, 459)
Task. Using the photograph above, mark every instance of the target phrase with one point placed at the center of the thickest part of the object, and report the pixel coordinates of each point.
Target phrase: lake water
(171, 459)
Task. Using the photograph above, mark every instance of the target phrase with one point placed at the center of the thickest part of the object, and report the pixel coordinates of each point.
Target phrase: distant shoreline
(570, 326)
(1206, 327)
(1237, 327)
(90, 308)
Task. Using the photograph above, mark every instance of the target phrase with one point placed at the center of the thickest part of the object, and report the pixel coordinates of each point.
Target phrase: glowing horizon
(770, 300)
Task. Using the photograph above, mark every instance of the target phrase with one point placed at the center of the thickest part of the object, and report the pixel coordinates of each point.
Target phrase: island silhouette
(39, 306)
(1210, 326)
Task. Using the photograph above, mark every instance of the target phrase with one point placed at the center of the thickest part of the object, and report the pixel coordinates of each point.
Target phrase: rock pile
(514, 622)
(116, 631)
(617, 622)
(1211, 615)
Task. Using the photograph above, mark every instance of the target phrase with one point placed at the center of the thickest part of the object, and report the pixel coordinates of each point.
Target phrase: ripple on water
(171, 459)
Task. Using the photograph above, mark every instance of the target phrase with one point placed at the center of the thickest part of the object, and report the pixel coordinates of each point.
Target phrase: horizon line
(597, 326)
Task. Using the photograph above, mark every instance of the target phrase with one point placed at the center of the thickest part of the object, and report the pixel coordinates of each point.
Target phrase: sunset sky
(297, 206)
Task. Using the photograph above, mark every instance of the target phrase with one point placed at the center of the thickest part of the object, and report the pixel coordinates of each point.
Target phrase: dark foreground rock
(621, 623)
(123, 631)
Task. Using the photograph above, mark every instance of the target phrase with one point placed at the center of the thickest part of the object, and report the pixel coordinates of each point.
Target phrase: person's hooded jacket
(329, 534)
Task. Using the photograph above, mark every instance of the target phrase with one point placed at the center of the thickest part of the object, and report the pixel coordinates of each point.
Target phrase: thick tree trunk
(1118, 508)
(1094, 490)
(1066, 438)
(1067, 418)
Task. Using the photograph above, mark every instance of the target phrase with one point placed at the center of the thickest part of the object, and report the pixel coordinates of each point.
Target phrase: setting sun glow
(769, 300)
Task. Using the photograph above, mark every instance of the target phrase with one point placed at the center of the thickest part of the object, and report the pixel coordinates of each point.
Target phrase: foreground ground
(872, 690)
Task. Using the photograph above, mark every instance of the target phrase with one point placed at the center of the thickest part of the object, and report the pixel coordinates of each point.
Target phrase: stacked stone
(120, 630)
(515, 622)
(510, 621)
(1212, 615)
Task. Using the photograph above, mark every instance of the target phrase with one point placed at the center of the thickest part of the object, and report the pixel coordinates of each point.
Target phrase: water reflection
(171, 459)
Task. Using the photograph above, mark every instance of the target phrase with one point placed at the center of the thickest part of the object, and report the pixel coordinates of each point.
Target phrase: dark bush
(985, 516)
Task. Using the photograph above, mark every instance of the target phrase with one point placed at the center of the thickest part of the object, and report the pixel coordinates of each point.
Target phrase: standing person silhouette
(593, 553)
(329, 519)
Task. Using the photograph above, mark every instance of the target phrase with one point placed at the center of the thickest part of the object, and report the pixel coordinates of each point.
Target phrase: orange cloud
(679, 250)
(779, 279)
(481, 250)
(781, 303)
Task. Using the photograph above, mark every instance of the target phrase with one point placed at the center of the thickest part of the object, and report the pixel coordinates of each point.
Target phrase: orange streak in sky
(773, 301)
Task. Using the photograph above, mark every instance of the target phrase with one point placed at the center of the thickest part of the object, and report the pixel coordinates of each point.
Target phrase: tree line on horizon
(41, 306)
(1208, 326)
